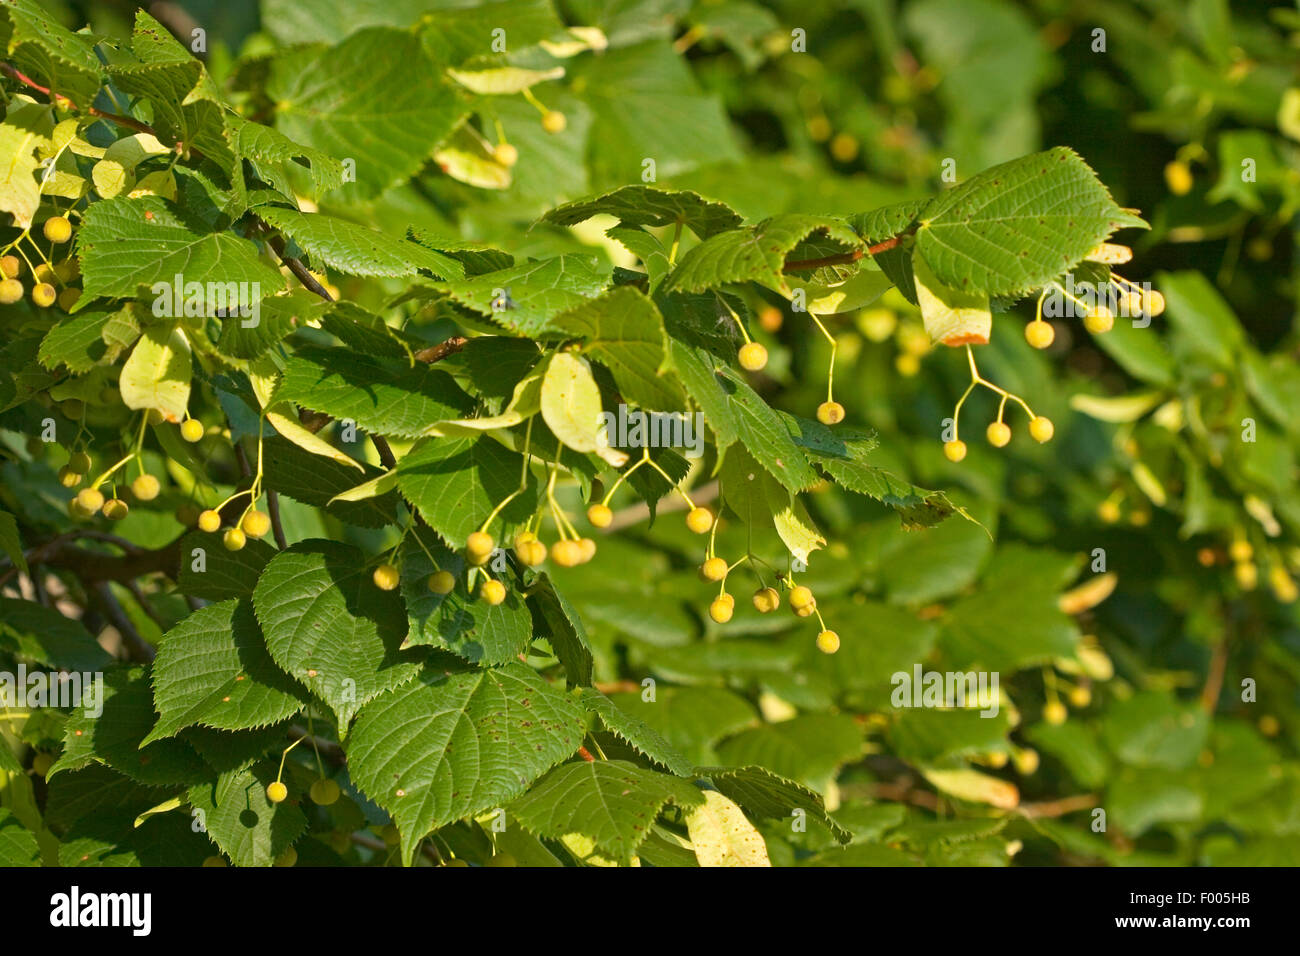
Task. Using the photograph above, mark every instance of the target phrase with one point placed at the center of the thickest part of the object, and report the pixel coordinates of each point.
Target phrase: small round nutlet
(699, 520)
(752, 356)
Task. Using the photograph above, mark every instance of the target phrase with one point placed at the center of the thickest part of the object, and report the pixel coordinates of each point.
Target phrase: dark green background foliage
(1131, 581)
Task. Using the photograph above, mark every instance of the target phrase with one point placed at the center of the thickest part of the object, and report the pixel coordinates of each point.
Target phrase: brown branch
(436, 353)
(385, 452)
(1214, 679)
(1059, 808)
(844, 258)
(273, 509)
(295, 266)
(126, 121)
(140, 649)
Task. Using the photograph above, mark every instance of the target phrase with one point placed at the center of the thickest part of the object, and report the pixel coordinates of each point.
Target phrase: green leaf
(634, 732)
(273, 155)
(79, 341)
(624, 331)
(647, 104)
(316, 481)
(691, 719)
(24, 133)
(325, 98)
(844, 455)
(127, 243)
(454, 35)
(44, 635)
(808, 748)
(1153, 729)
(764, 794)
(330, 628)
(555, 620)
(41, 47)
(523, 297)
(1202, 321)
(18, 845)
(758, 499)
(11, 543)
(278, 316)
(456, 482)
(611, 801)
(764, 433)
(116, 736)
(754, 254)
(356, 250)
(642, 205)
(157, 373)
(383, 396)
(246, 825)
(452, 744)
(1019, 225)
(460, 622)
(213, 669)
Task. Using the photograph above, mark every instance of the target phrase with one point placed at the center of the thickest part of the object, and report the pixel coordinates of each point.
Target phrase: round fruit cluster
(51, 282)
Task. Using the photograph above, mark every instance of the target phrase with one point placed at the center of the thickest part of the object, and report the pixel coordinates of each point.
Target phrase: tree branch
(806, 265)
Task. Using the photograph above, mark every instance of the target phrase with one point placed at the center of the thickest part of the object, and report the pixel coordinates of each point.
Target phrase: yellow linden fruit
(234, 539)
(1054, 712)
(1039, 334)
(191, 429)
(69, 478)
(1178, 177)
(506, 154)
(586, 549)
(11, 290)
(90, 500)
(288, 858)
(1247, 575)
(1042, 429)
(714, 569)
(907, 365)
(954, 450)
(276, 792)
(752, 356)
(1080, 696)
(844, 147)
(721, 609)
(699, 520)
(324, 792)
(766, 600)
(566, 553)
(770, 319)
(493, 592)
(442, 582)
(1153, 303)
(10, 266)
(1108, 511)
(58, 229)
(115, 509)
(1026, 761)
(600, 515)
(44, 294)
(146, 488)
(479, 547)
(830, 413)
(553, 121)
(1241, 550)
(256, 524)
(828, 642)
(998, 434)
(386, 577)
(1099, 320)
(209, 520)
(532, 553)
(801, 597)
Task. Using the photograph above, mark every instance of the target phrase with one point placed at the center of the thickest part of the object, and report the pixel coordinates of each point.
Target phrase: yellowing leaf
(951, 316)
(570, 404)
(860, 289)
(157, 373)
(308, 440)
(379, 485)
(722, 836)
(976, 787)
(503, 81)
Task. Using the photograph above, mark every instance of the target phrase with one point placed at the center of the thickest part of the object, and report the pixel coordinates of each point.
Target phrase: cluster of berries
(45, 276)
